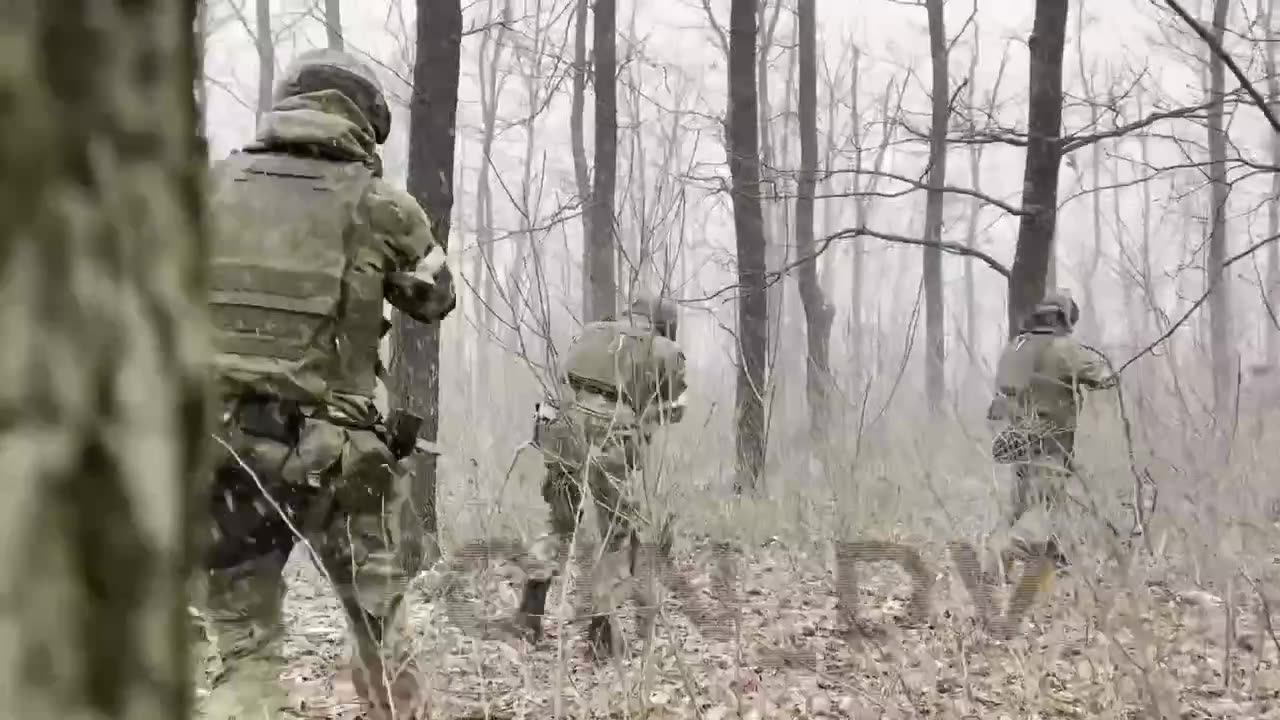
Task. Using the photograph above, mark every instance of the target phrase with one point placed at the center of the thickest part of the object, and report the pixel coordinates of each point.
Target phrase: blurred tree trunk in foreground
(1033, 256)
(748, 222)
(104, 439)
(433, 109)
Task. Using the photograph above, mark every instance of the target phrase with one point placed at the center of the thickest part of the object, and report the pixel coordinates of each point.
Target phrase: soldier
(1039, 390)
(309, 242)
(623, 378)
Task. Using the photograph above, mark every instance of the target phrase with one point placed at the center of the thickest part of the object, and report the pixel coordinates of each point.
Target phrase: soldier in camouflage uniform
(623, 378)
(309, 242)
(1040, 380)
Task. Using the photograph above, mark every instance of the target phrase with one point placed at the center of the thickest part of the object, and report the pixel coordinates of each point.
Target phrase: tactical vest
(1018, 365)
(294, 303)
(615, 357)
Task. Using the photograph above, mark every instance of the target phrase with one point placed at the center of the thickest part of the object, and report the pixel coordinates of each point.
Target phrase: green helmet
(325, 69)
(660, 312)
(1057, 309)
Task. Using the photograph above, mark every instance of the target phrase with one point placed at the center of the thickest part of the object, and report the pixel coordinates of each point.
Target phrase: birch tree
(105, 438)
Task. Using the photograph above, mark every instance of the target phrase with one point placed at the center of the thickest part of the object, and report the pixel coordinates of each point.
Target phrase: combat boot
(533, 607)
(601, 643)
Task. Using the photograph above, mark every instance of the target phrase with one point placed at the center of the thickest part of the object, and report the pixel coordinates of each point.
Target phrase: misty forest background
(850, 201)
(859, 304)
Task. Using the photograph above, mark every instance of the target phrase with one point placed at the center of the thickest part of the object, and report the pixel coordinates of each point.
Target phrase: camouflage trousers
(1051, 505)
(592, 452)
(284, 482)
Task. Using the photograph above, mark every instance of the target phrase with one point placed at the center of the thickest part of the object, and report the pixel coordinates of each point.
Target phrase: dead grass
(1183, 630)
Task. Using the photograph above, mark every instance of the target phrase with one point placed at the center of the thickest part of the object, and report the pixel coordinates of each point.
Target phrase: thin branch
(1222, 54)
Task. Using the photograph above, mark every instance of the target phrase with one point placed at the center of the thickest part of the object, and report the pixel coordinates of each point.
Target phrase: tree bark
(578, 143)
(748, 222)
(1089, 318)
(415, 361)
(264, 43)
(935, 322)
(817, 313)
(1273, 204)
(1224, 369)
(333, 24)
(1032, 258)
(105, 437)
(601, 271)
(491, 83)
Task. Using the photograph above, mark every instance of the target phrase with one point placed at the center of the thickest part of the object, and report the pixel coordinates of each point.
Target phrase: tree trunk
(935, 328)
(1224, 369)
(971, 339)
(770, 207)
(265, 44)
(1273, 204)
(491, 83)
(202, 83)
(577, 139)
(105, 438)
(817, 313)
(415, 361)
(1031, 260)
(333, 24)
(748, 222)
(1089, 313)
(600, 271)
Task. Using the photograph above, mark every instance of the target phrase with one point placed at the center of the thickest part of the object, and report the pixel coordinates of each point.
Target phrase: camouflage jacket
(287, 320)
(1040, 381)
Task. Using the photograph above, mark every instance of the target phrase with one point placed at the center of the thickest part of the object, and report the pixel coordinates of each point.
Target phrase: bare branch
(1217, 49)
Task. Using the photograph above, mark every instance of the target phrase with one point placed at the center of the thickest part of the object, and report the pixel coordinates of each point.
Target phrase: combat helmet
(1058, 309)
(326, 69)
(660, 312)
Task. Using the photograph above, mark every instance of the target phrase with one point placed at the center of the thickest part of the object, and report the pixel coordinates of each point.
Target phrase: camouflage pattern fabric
(622, 380)
(340, 490)
(307, 458)
(1040, 381)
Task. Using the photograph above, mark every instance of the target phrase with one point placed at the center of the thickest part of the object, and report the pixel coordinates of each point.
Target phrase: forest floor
(1156, 647)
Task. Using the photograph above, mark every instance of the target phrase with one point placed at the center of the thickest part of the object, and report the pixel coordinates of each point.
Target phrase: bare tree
(415, 360)
(817, 313)
(935, 322)
(1266, 11)
(577, 140)
(748, 221)
(1089, 320)
(600, 270)
(264, 42)
(972, 335)
(333, 24)
(104, 477)
(1044, 156)
(1219, 299)
(491, 81)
